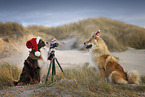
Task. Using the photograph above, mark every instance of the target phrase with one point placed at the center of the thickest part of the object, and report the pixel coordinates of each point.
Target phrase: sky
(58, 12)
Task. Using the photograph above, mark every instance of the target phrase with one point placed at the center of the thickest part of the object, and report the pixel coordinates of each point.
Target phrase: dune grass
(9, 28)
(8, 73)
(143, 79)
(82, 81)
(117, 35)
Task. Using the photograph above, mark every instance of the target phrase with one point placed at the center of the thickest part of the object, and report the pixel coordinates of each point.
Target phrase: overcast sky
(58, 12)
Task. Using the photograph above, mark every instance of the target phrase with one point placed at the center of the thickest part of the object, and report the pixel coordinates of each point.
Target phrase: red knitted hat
(32, 44)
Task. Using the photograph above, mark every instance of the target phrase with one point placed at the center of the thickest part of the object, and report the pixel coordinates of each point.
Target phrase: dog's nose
(84, 43)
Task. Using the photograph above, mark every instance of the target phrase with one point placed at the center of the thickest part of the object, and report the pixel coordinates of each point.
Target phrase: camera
(51, 55)
(53, 44)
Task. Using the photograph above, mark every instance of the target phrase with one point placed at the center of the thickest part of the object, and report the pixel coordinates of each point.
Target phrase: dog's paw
(40, 82)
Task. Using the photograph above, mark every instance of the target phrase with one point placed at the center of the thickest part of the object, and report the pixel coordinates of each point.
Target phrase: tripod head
(53, 45)
(51, 54)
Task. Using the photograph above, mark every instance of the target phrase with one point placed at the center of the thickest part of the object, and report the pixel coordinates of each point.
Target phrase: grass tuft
(8, 74)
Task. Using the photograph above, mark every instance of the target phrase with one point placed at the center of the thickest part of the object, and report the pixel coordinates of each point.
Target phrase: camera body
(51, 55)
(53, 44)
(51, 52)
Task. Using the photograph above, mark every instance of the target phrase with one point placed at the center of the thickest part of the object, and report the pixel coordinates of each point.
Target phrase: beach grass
(8, 73)
(116, 34)
(82, 81)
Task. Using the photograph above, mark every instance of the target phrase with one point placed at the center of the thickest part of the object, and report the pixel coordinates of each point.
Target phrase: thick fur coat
(34, 67)
(106, 64)
(31, 71)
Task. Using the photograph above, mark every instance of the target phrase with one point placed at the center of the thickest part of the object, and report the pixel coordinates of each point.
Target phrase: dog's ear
(93, 33)
(97, 34)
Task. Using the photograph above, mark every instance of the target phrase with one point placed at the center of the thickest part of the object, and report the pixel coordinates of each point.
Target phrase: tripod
(52, 59)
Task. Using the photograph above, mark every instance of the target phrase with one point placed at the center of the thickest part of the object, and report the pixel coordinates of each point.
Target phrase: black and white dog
(36, 64)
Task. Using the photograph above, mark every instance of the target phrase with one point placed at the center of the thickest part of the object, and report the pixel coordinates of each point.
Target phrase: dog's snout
(84, 43)
(46, 42)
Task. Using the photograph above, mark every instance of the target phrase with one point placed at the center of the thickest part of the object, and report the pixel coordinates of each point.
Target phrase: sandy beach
(131, 59)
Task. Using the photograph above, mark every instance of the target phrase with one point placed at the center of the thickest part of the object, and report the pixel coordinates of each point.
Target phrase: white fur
(43, 63)
(37, 53)
(110, 79)
(29, 49)
(133, 77)
(122, 81)
(90, 51)
(37, 39)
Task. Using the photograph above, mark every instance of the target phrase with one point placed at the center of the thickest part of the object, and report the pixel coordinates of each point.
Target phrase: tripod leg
(59, 65)
(53, 67)
(48, 71)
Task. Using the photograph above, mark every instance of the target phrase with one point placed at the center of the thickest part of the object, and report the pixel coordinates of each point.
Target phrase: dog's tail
(133, 77)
